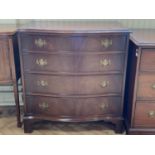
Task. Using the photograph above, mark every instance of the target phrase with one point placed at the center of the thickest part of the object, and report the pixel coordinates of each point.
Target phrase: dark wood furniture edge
(140, 44)
(131, 86)
(118, 122)
(143, 45)
(131, 130)
(140, 131)
(15, 76)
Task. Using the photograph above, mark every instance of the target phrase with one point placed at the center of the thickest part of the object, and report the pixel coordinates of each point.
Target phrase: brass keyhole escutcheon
(106, 42)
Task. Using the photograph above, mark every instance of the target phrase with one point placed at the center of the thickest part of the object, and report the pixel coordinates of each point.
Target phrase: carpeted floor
(8, 127)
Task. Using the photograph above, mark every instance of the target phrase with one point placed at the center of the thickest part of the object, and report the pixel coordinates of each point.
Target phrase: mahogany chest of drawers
(73, 72)
(9, 62)
(140, 88)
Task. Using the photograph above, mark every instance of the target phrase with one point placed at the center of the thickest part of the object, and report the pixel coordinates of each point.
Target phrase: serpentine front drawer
(68, 42)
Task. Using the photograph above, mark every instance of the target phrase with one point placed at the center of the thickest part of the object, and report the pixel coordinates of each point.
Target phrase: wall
(138, 23)
(131, 23)
(6, 98)
(8, 21)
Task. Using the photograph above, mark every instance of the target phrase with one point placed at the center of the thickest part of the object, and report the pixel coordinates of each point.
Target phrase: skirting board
(6, 111)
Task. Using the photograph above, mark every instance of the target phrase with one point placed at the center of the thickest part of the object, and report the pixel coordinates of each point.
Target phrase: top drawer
(73, 43)
(147, 62)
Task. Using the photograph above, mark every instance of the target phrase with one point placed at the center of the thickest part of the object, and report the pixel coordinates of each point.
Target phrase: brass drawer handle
(42, 83)
(106, 42)
(40, 42)
(43, 105)
(153, 86)
(105, 62)
(103, 106)
(104, 84)
(41, 62)
(151, 113)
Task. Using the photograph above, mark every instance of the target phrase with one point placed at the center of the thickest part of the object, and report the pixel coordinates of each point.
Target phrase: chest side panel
(5, 72)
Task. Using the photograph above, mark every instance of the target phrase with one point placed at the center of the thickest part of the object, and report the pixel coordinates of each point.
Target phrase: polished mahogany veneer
(71, 43)
(140, 88)
(74, 62)
(9, 62)
(73, 72)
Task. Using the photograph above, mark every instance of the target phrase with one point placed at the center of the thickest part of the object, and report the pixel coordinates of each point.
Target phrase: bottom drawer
(144, 114)
(68, 106)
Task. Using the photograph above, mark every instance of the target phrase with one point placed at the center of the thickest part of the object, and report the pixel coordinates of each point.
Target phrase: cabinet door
(5, 72)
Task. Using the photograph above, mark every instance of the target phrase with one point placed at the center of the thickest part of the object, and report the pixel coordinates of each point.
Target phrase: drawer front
(146, 86)
(109, 106)
(73, 62)
(73, 84)
(147, 62)
(37, 105)
(73, 43)
(144, 114)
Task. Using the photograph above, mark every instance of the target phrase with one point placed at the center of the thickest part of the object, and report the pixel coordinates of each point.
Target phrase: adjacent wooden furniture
(9, 62)
(73, 72)
(140, 88)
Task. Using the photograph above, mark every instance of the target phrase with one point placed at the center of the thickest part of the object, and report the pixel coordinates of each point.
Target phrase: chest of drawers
(140, 109)
(9, 62)
(73, 72)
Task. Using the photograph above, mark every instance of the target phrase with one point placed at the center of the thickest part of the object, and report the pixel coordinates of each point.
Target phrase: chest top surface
(73, 27)
(143, 37)
(7, 29)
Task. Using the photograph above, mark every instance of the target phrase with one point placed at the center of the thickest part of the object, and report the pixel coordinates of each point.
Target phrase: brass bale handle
(153, 86)
(104, 84)
(43, 105)
(41, 62)
(106, 43)
(105, 62)
(151, 113)
(103, 106)
(42, 83)
(40, 42)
